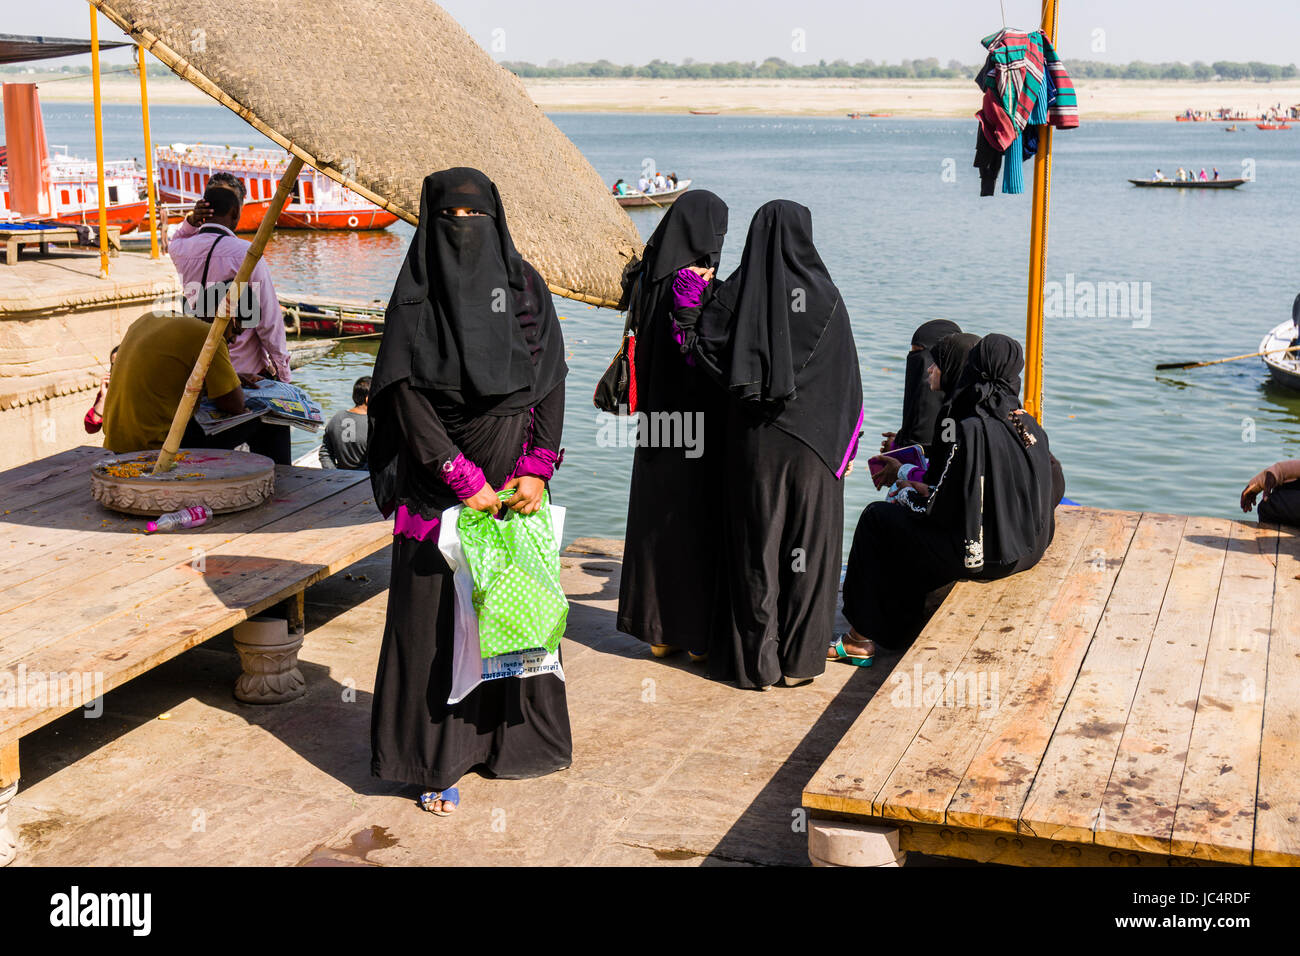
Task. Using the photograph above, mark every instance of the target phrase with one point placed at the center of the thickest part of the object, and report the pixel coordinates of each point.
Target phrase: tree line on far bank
(929, 69)
(775, 68)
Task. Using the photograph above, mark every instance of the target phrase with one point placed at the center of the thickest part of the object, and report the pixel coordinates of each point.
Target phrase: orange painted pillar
(99, 143)
(1042, 198)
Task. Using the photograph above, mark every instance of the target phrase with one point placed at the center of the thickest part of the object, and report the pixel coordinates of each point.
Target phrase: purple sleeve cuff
(688, 289)
(463, 477)
(409, 524)
(538, 463)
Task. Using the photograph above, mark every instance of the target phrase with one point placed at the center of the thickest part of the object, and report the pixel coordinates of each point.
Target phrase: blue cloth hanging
(1013, 167)
(1039, 116)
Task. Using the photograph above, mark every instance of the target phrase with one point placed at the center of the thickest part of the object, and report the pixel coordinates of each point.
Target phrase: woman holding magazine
(466, 398)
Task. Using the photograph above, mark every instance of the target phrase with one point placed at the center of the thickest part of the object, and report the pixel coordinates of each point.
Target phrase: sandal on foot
(663, 650)
(795, 681)
(450, 795)
(837, 652)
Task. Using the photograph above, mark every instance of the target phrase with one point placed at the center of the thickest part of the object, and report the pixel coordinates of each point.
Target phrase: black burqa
(997, 482)
(777, 336)
(472, 364)
(920, 404)
(990, 514)
(949, 354)
(670, 561)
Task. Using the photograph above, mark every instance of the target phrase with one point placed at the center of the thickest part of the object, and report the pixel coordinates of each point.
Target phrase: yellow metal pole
(148, 157)
(167, 457)
(1038, 250)
(99, 143)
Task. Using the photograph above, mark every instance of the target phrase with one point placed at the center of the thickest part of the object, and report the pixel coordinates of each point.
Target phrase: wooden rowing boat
(308, 315)
(1189, 183)
(302, 351)
(1284, 368)
(667, 197)
(704, 112)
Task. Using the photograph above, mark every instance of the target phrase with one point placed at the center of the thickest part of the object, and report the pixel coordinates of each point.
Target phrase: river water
(899, 222)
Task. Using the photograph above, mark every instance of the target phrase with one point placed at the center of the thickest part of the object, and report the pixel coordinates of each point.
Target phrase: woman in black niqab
(920, 403)
(1001, 472)
(667, 592)
(948, 355)
(776, 336)
(467, 396)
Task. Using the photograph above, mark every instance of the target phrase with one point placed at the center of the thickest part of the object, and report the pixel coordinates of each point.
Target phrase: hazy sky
(708, 30)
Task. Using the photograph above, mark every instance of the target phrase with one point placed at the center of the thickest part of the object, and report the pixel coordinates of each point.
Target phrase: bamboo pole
(99, 143)
(1038, 250)
(167, 457)
(148, 157)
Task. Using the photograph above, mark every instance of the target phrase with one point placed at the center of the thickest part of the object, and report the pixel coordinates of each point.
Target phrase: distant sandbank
(1098, 99)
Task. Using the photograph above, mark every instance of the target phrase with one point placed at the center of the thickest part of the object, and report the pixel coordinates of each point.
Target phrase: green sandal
(842, 655)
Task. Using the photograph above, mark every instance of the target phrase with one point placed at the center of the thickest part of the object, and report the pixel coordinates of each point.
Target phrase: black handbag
(246, 312)
(616, 389)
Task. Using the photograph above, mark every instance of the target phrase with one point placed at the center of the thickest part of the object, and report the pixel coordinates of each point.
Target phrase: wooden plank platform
(85, 592)
(1132, 700)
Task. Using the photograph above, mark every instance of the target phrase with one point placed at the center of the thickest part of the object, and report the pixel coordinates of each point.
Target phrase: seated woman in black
(990, 514)
(944, 362)
(920, 402)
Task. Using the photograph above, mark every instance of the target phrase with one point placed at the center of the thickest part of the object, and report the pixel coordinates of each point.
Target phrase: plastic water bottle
(185, 518)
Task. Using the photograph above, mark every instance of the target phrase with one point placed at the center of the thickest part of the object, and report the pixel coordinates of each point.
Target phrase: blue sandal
(450, 795)
(842, 655)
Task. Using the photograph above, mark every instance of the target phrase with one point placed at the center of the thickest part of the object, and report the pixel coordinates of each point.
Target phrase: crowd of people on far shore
(734, 542)
(1272, 113)
(648, 184)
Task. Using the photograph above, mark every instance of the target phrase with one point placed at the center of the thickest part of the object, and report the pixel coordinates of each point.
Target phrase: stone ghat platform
(58, 321)
(670, 768)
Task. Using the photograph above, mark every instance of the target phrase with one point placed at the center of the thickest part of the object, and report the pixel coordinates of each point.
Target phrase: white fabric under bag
(469, 668)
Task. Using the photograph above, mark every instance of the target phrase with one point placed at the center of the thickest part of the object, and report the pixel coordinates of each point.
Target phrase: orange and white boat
(37, 186)
(318, 202)
(72, 194)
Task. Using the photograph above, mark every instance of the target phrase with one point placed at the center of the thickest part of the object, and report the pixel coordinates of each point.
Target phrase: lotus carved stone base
(268, 652)
(8, 839)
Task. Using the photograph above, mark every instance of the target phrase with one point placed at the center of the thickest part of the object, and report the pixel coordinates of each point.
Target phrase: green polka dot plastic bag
(515, 563)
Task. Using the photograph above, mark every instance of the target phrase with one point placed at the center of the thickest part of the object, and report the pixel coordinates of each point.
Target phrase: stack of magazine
(275, 402)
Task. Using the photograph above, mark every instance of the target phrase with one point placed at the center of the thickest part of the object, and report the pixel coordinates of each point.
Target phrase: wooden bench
(1132, 700)
(89, 601)
(15, 238)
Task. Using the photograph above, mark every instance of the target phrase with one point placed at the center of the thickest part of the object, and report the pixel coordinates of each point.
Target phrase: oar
(1236, 358)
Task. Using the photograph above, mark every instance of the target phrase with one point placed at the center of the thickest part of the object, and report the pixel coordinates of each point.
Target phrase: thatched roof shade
(377, 94)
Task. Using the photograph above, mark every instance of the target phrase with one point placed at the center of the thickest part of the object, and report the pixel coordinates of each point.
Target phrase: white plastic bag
(469, 669)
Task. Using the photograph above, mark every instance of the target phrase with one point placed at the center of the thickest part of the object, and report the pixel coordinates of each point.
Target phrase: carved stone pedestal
(223, 480)
(838, 843)
(268, 652)
(8, 838)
